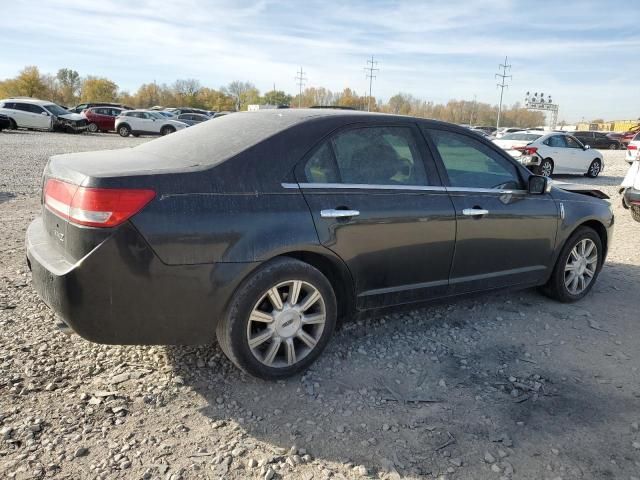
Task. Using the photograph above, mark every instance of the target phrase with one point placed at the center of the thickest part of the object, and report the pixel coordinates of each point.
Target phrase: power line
(502, 85)
(300, 80)
(370, 69)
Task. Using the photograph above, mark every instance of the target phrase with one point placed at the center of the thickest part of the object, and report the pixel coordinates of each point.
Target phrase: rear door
(505, 236)
(23, 116)
(559, 153)
(378, 203)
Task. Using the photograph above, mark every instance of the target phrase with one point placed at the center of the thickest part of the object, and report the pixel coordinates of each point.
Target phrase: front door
(378, 203)
(505, 236)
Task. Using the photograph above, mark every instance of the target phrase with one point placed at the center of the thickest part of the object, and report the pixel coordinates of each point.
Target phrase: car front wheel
(167, 130)
(92, 127)
(124, 130)
(594, 168)
(280, 320)
(613, 146)
(577, 267)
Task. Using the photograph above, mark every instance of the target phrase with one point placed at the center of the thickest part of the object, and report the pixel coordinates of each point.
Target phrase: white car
(558, 153)
(27, 112)
(146, 122)
(514, 140)
(633, 149)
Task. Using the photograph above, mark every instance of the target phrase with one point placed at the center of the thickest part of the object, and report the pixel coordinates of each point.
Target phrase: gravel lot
(511, 385)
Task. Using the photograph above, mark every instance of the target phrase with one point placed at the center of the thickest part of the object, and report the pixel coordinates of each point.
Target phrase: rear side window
(22, 106)
(321, 166)
(471, 164)
(557, 141)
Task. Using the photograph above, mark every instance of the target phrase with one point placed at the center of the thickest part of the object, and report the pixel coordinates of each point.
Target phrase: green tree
(238, 91)
(98, 89)
(276, 97)
(28, 83)
(69, 84)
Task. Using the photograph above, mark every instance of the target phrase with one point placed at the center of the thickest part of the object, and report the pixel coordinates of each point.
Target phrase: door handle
(474, 211)
(334, 213)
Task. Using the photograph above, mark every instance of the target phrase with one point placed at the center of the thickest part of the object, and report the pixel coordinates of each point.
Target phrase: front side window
(556, 141)
(369, 156)
(471, 164)
(573, 143)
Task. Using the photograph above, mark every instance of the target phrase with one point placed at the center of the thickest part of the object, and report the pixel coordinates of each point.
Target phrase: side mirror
(44, 113)
(587, 147)
(538, 184)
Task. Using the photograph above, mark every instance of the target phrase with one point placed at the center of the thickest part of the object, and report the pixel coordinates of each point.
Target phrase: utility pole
(370, 69)
(300, 79)
(473, 109)
(502, 85)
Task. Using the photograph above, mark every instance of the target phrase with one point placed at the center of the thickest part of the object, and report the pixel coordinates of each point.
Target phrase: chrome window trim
(426, 188)
(363, 186)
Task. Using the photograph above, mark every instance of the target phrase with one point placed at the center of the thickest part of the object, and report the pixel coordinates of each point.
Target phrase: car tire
(12, 124)
(136, 135)
(559, 286)
(635, 212)
(545, 168)
(166, 130)
(124, 130)
(594, 168)
(286, 339)
(92, 127)
(614, 146)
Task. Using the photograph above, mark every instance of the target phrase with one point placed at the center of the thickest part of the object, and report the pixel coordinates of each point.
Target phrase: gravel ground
(511, 385)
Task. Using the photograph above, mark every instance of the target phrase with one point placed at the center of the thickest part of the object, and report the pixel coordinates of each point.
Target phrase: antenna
(502, 85)
(370, 69)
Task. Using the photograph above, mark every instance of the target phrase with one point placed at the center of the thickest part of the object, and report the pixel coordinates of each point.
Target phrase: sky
(584, 53)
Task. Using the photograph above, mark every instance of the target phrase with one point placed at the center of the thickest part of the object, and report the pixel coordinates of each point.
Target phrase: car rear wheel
(167, 130)
(545, 168)
(124, 130)
(12, 124)
(577, 267)
(92, 127)
(613, 146)
(635, 212)
(280, 320)
(594, 168)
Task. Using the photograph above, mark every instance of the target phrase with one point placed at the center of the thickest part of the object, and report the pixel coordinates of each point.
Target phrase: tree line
(68, 88)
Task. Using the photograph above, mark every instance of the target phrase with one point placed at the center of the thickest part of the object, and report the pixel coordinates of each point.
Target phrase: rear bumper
(121, 293)
(631, 195)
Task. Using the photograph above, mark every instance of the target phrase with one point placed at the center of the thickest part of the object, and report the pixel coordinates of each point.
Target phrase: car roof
(35, 101)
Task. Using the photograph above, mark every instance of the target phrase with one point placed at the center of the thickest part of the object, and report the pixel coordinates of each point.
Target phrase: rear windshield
(213, 142)
(529, 137)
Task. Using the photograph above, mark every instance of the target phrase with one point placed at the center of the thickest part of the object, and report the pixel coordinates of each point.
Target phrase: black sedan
(598, 140)
(192, 118)
(263, 229)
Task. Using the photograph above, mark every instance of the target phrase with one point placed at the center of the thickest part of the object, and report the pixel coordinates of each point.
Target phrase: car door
(378, 203)
(580, 156)
(41, 117)
(505, 236)
(23, 116)
(557, 150)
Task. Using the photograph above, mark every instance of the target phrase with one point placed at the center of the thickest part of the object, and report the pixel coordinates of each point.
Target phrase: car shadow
(410, 391)
(599, 181)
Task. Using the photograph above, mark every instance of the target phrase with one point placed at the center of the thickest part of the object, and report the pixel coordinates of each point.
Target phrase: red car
(101, 119)
(628, 136)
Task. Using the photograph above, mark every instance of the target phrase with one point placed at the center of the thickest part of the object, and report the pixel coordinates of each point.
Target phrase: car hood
(71, 116)
(579, 188)
(176, 123)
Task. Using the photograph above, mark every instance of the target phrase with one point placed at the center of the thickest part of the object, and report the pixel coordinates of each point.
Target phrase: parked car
(597, 140)
(193, 118)
(501, 132)
(633, 149)
(559, 152)
(167, 114)
(181, 110)
(630, 190)
(511, 141)
(490, 130)
(5, 122)
(101, 119)
(144, 122)
(83, 106)
(628, 136)
(41, 115)
(264, 228)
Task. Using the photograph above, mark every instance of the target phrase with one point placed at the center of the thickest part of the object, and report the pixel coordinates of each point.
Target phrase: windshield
(526, 137)
(56, 109)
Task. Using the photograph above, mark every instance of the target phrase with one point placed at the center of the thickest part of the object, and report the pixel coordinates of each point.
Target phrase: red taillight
(527, 150)
(94, 207)
(632, 147)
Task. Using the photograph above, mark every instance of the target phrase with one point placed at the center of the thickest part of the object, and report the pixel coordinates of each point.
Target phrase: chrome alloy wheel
(581, 266)
(547, 168)
(286, 324)
(594, 170)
